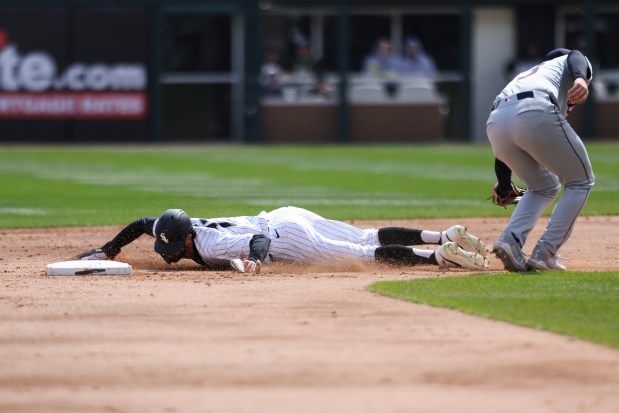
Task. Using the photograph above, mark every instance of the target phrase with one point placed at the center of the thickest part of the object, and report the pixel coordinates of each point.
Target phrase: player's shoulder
(208, 234)
(198, 222)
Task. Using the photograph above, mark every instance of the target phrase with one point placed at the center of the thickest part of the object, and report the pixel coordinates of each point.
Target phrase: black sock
(399, 236)
(400, 255)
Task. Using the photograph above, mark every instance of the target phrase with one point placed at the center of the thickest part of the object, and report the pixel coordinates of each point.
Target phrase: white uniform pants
(301, 235)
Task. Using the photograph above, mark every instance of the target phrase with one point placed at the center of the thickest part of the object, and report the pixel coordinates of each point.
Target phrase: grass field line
(22, 211)
(205, 184)
(413, 168)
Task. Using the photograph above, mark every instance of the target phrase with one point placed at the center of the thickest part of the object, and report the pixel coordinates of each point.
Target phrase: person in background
(270, 73)
(309, 72)
(531, 58)
(416, 62)
(382, 62)
(303, 61)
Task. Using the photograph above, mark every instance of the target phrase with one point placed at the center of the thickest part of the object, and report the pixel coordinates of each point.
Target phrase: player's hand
(579, 92)
(96, 254)
(245, 265)
(512, 197)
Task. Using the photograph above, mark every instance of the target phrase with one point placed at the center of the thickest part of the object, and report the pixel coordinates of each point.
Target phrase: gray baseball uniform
(528, 131)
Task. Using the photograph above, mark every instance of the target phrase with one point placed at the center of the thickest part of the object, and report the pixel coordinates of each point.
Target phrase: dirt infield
(178, 339)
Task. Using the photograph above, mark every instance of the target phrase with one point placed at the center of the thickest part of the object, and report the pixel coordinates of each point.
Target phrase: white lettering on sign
(125, 105)
(37, 71)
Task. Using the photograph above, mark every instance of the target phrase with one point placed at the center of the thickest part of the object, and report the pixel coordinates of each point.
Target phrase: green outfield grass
(87, 185)
(578, 304)
(61, 186)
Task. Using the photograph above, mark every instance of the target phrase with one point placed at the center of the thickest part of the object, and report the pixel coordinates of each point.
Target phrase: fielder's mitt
(512, 198)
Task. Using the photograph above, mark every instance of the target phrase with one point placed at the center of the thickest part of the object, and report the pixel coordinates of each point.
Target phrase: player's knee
(581, 184)
(550, 192)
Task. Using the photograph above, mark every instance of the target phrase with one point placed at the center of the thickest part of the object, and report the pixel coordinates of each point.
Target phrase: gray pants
(539, 146)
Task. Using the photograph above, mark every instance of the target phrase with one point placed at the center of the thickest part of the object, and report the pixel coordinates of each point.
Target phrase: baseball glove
(512, 198)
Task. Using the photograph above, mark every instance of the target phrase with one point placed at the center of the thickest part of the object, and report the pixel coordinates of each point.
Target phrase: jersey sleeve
(259, 247)
(577, 65)
(129, 234)
(214, 244)
(503, 175)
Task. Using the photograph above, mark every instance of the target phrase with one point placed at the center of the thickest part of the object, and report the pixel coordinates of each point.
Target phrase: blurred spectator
(321, 88)
(270, 74)
(303, 62)
(271, 80)
(308, 71)
(531, 58)
(382, 62)
(416, 62)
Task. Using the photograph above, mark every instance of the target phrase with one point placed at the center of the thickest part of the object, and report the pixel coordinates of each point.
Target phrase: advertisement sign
(82, 72)
(33, 86)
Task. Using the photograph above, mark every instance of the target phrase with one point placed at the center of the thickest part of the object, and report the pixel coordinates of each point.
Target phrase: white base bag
(89, 267)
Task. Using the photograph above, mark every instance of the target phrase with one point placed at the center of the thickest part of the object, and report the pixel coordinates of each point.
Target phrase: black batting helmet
(171, 231)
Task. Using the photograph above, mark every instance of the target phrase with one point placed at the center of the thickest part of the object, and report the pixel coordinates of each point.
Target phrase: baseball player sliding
(529, 134)
(292, 234)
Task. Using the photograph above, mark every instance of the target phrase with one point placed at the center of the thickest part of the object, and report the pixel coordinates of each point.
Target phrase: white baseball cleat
(450, 255)
(464, 239)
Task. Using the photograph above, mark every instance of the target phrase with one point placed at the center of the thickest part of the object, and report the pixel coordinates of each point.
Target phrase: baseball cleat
(540, 260)
(511, 256)
(464, 239)
(450, 255)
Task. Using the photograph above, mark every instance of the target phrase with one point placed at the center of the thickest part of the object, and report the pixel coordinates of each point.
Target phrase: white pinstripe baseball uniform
(292, 234)
(296, 235)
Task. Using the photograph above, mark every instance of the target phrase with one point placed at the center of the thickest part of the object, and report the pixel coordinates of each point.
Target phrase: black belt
(519, 96)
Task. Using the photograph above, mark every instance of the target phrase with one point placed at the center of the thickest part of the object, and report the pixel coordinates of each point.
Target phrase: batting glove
(245, 265)
(96, 254)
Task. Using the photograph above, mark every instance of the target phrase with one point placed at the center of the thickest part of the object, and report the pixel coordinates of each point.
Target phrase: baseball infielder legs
(541, 136)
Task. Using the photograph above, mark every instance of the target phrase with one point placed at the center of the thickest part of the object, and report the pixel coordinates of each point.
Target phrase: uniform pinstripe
(296, 234)
(292, 234)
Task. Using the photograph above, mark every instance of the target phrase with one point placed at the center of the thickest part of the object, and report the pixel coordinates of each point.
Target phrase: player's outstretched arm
(128, 234)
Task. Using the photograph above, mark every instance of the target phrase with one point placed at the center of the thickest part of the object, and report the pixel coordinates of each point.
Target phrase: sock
(401, 255)
(431, 237)
(400, 236)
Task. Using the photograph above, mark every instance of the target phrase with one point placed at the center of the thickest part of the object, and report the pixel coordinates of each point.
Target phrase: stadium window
(197, 43)
(606, 34)
(572, 32)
